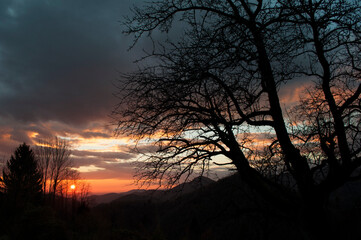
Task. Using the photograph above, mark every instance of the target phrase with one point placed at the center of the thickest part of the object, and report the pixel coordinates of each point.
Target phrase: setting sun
(72, 186)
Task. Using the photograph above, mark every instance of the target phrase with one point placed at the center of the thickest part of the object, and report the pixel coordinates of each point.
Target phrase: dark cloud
(58, 59)
(103, 155)
(100, 168)
(58, 63)
(123, 170)
(95, 135)
(142, 148)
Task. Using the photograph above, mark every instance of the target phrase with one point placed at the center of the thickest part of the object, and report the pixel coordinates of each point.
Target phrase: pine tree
(21, 177)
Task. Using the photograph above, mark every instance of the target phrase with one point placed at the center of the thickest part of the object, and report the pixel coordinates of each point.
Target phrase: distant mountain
(197, 184)
(204, 209)
(109, 197)
(199, 209)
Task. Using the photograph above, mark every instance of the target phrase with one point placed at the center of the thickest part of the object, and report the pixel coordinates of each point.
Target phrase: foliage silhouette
(21, 180)
(26, 211)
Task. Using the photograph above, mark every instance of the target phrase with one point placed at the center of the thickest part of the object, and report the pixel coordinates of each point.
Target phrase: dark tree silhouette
(21, 180)
(217, 87)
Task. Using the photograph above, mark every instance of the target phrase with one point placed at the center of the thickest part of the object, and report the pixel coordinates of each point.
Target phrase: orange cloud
(292, 93)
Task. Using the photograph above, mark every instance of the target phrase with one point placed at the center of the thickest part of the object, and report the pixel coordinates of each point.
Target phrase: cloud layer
(58, 63)
(59, 58)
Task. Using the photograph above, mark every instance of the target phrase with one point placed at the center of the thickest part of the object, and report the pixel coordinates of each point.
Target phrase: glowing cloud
(90, 168)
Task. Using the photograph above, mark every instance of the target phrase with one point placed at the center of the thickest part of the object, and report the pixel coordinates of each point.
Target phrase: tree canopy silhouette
(21, 180)
(216, 91)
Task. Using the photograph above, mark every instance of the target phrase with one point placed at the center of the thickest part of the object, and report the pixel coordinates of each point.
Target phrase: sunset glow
(113, 185)
(75, 105)
(180, 120)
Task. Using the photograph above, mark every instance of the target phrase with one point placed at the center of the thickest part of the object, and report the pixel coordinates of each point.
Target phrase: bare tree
(61, 162)
(55, 163)
(211, 91)
(71, 179)
(83, 195)
(43, 153)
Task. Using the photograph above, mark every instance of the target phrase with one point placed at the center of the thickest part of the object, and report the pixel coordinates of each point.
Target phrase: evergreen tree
(21, 177)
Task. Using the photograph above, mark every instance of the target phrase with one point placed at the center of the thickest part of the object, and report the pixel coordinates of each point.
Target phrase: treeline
(57, 169)
(36, 197)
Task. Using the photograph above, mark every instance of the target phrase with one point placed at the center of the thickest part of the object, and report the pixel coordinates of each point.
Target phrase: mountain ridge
(196, 184)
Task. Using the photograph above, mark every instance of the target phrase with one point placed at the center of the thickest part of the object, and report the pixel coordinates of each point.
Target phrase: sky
(59, 61)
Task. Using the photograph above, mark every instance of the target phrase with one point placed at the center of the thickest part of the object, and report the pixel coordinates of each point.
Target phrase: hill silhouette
(205, 209)
(200, 209)
(197, 184)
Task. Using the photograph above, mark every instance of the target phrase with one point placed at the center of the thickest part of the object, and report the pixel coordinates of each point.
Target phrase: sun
(72, 186)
